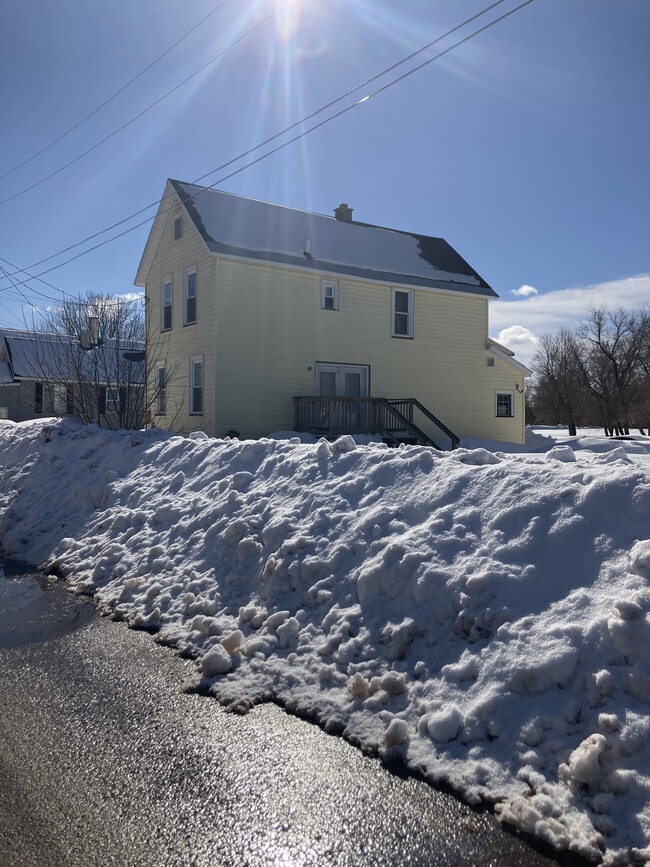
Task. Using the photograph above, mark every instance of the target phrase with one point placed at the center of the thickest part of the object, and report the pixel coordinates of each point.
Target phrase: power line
(70, 299)
(137, 116)
(302, 134)
(276, 135)
(18, 270)
(114, 95)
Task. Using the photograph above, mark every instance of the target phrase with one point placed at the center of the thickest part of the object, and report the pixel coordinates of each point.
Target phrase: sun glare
(288, 17)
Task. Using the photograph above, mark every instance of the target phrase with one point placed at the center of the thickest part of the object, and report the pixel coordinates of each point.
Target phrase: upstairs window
(190, 296)
(178, 228)
(402, 313)
(167, 303)
(196, 385)
(505, 402)
(329, 298)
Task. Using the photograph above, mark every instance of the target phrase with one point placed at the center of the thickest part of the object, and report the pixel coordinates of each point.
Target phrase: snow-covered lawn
(483, 615)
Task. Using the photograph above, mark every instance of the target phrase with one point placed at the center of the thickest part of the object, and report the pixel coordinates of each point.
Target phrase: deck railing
(391, 419)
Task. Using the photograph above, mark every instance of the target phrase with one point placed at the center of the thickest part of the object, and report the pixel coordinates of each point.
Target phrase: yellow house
(268, 318)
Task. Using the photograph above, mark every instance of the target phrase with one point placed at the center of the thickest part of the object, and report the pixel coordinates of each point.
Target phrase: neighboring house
(274, 318)
(45, 374)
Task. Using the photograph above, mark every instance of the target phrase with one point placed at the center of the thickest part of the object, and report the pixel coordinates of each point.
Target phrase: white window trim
(194, 360)
(164, 282)
(112, 399)
(511, 395)
(161, 393)
(334, 286)
(393, 312)
(191, 270)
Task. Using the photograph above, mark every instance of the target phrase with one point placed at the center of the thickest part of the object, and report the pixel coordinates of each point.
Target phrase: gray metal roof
(40, 355)
(237, 225)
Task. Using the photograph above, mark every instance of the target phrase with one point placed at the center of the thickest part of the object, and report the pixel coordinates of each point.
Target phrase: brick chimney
(343, 212)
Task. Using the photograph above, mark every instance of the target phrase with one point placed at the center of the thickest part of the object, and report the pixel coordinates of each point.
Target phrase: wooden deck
(392, 419)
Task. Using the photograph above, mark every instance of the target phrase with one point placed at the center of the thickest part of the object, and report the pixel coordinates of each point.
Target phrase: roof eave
(506, 355)
(155, 234)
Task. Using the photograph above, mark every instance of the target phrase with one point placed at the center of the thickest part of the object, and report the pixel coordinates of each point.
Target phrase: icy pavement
(481, 615)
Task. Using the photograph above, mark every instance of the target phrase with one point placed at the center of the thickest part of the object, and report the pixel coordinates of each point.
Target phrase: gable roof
(236, 225)
(507, 355)
(40, 355)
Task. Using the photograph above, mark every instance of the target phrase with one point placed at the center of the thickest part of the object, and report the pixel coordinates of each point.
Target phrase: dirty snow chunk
(288, 632)
(276, 619)
(198, 435)
(394, 683)
(640, 558)
(216, 661)
(564, 454)
(231, 643)
(343, 444)
(397, 733)
(475, 457)
(584, 766)
(445, 724)
(359, 686)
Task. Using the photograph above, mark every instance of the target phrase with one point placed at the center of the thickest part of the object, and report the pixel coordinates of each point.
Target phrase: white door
(342, 380)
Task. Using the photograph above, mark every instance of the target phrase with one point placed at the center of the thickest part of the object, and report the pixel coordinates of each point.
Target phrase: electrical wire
(282, 132)
(114, 95)
(137, 116)
(277, 135)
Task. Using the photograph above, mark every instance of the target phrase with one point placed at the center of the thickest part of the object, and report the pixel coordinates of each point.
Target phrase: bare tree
(558, 391)
(92, 360)
(614, 350)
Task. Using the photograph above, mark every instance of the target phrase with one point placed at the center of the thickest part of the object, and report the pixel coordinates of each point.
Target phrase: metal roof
(237, 225)
(41, 355)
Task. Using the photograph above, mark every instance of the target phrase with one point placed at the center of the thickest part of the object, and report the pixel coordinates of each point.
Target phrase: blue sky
(526, 148)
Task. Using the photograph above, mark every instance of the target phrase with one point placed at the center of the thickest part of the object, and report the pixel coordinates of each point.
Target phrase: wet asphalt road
(104, 761)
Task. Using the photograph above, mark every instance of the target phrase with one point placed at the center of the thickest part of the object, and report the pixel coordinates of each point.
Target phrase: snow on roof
(42, 355)
(237, 225)
(508, 356)
(484, 617)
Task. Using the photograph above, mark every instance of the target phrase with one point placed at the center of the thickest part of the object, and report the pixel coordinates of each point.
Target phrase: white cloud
(524, 291)
(521, 340)
(519, 324)
(130, 296)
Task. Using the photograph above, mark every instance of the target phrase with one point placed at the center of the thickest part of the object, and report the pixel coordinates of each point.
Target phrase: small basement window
(505, 404)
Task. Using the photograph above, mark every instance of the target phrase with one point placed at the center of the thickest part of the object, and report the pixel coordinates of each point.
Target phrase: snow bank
(482, 616)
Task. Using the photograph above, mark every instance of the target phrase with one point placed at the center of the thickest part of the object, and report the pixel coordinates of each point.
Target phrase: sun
(288, 17)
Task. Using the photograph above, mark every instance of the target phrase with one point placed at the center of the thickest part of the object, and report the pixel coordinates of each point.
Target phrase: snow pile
(483, 616)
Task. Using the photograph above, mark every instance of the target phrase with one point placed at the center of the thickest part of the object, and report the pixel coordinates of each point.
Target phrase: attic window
(178, 228)
(490, 361)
